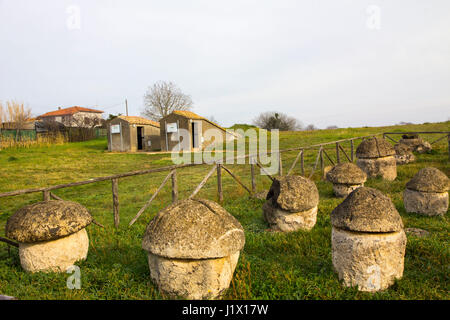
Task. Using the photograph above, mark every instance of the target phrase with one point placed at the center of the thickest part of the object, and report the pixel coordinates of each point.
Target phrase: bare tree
(2, 115)
(83, 128)
(2, 119)
(16, 116)
(277, 120)
(311, 127)
(113, 116)
(164, 97)
(212, 119)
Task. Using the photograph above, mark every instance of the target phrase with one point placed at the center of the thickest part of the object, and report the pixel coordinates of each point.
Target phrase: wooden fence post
(321, 162)
(174, 186)
(338, 158)
(252, 172)
(316, 162)
(448, 139)
(280, 165)
(351, 148)
(302, 164)
(46, 195)
(115, 194)
(219, 182)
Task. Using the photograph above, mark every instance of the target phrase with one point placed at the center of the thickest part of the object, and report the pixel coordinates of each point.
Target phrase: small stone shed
(196, 126)
(132, 134)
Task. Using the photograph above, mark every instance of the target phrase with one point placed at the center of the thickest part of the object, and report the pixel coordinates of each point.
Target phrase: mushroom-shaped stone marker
(403, 154)
(51, 235)
(193, 247)
(346, 177)
(376, 158)
(291, 204)
(416, 143)
(367, 239)
(427, 192)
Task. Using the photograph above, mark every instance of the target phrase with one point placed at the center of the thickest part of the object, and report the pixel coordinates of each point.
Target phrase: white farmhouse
(74, 116)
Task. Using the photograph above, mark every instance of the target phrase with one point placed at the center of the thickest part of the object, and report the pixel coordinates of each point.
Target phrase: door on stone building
(140, 137)
(195, 135)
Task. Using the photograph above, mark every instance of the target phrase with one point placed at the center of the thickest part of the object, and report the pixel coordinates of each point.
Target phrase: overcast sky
(345, 63)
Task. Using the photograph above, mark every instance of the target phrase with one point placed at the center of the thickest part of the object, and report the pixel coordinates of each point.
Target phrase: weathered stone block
(54, 255)
(285, 221)
(426, 203)
(404, 159)
(193, 247)
(192, 279)
(343, 190)
(417, 144)
(370, 261)
(385, 167)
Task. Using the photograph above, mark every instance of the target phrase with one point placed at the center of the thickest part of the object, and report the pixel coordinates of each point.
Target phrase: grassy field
(271, 266)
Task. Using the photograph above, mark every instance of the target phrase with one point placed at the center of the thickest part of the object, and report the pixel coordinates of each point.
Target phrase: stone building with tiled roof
(139, 120)
(74, 116)
(198, 131)
(132, 134)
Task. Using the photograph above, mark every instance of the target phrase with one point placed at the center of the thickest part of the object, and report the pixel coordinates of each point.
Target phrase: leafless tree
(2, 115)
(113, 116)
(15, 116)
(212, 119)
(277, 120)
(83, 128)
(311, 127)
(164, 97)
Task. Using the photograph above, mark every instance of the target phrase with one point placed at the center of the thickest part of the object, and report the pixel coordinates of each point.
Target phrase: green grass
(271, 266)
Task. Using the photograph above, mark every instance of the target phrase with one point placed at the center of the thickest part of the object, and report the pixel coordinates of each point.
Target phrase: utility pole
(126, 104)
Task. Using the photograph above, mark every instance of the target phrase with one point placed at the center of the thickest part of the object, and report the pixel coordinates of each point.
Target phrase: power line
(112, 106)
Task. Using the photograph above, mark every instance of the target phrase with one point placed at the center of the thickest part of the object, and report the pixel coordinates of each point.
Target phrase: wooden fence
(445, 134)
(332, 152)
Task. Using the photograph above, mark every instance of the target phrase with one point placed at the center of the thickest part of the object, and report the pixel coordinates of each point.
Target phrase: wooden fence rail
(444, 133)
(171, 173)
(218, 167)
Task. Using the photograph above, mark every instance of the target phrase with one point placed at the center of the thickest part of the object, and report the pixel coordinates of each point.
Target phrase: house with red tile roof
(74, 116)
